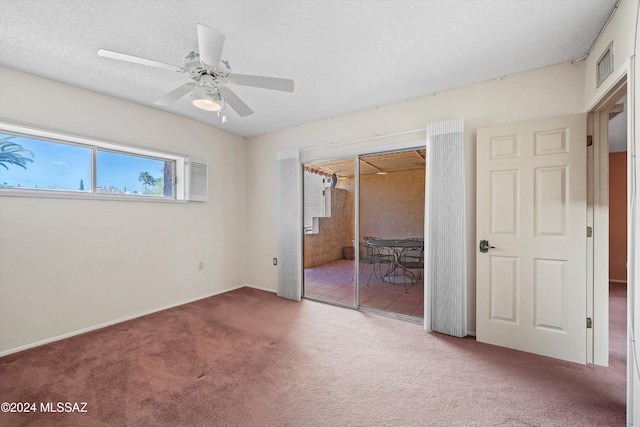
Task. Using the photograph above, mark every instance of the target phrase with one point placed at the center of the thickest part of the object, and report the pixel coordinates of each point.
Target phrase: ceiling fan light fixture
(206, 98)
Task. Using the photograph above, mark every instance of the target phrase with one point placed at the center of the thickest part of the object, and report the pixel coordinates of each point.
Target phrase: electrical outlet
(201, 265)
(275, 261)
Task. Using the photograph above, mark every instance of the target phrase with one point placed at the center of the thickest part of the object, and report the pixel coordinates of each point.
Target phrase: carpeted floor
(249, 358)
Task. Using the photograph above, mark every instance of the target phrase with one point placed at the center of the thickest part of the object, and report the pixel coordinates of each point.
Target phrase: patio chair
(372, 256)
(385, 253)
(413, 258)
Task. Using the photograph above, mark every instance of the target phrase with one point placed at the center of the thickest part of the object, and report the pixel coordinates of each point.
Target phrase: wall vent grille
(604, 66)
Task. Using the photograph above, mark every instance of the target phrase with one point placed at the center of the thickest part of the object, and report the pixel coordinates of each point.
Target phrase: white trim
(600, 284)
(626, 70)
(611, 81)
(122, 319)
(86, 140)
(63, 194)
(93, 144)
(600, 241)
(260, 288)
(633, 376)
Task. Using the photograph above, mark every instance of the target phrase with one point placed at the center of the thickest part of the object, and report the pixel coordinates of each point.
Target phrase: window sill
(53, 194)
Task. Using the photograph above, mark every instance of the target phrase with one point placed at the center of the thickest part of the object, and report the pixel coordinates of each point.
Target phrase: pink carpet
(249, 358)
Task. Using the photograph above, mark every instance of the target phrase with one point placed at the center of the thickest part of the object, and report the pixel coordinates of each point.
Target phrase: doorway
(618, 208)
(348, 203)
(608, 202)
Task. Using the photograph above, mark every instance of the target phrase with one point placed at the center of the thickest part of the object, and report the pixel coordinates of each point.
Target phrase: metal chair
(372, 256)
(413, 258)
(385, 253)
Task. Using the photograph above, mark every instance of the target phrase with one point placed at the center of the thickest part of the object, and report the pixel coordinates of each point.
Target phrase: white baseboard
(471, 333)
(259, 288)
(120, 320)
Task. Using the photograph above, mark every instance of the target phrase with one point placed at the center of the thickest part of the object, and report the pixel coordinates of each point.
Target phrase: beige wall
(548, 92)
(69, 265)
(392, 205)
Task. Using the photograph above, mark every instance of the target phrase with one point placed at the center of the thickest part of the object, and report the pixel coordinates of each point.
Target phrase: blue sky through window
(63, 167)
(121, 171)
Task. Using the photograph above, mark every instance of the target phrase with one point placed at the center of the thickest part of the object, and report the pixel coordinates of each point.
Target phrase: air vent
(197, 180)
(604, 65)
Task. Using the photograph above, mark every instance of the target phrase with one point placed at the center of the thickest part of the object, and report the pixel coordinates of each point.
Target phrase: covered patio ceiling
(378, 163)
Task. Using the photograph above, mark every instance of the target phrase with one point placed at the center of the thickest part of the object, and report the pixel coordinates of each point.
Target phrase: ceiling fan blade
(234, 102)
(175, 94)
(274, 83)
(138, 60)
(210, 45)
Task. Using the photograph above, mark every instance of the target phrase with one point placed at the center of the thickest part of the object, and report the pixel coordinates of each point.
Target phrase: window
(119, 173)
(38, 162)
(34, 164)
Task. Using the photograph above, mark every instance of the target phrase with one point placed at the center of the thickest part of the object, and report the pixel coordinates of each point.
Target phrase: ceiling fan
(209, 74)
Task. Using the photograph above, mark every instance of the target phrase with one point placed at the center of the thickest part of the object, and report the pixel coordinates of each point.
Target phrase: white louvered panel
(197, 183)
(446, 273)
(289, 225)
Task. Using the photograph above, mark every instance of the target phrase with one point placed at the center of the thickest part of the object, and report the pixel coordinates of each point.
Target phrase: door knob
(484, 246)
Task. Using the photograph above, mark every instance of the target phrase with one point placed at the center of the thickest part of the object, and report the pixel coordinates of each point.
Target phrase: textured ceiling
(343, 55)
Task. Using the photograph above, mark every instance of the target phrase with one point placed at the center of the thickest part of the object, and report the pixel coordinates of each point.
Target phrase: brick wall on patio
(334, 231)
(392, 205)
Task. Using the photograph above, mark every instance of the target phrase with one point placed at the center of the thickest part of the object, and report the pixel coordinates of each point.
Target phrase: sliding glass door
(385, 197)
(329, 232)
(391, 225)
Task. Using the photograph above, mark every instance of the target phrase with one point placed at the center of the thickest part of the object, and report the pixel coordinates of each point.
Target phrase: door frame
(604, 97)
(598, 219)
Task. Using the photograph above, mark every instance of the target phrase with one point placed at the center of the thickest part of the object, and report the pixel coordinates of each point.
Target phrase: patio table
(397, 246)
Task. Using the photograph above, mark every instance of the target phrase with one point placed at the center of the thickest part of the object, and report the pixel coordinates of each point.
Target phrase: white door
(531, 290)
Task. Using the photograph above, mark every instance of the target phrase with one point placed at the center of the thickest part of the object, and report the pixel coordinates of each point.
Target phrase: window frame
(179, 161)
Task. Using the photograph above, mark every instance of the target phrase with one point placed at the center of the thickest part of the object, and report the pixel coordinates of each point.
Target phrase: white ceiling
(344, 55)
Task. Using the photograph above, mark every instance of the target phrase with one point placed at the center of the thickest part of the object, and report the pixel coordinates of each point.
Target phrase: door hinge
(589, 140)
(589, 323)
(589, 231)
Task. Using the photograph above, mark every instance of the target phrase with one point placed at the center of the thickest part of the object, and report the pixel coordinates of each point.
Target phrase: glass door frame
(337, 152)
